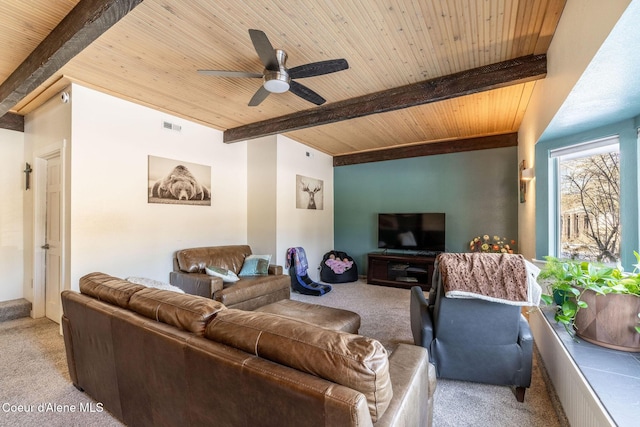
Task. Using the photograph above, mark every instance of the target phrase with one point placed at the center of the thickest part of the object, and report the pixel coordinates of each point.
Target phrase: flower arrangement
(496, 245)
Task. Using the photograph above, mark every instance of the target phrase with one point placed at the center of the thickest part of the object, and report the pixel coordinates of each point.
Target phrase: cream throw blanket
(503, 278)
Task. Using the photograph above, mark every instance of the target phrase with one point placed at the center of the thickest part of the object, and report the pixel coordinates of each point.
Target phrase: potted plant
(598, 303)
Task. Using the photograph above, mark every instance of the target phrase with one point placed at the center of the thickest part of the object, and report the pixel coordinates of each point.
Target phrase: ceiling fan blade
(318, 68)
(223, 73)
(305, 93)
(265, 51)
(259, 96)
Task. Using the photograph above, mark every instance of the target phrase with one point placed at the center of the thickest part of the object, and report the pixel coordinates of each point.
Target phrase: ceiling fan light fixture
(276, 76)
(276, 86)
(276, 81)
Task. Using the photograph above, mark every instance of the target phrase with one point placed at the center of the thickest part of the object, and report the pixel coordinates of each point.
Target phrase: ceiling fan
(277, 78)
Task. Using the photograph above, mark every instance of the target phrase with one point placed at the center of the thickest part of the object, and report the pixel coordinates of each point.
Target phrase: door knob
(45, 246)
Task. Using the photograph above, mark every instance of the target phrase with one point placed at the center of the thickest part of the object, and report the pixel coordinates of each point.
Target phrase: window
(588, 200)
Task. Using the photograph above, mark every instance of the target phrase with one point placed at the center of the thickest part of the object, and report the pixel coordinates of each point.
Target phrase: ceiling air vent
(171, 126)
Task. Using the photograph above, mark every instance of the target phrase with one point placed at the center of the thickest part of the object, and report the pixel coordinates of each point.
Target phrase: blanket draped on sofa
(503, 278)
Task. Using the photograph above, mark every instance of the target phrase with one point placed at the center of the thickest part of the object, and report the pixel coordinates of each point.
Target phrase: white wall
(46, 130)
(274, 223)
(262, 209)
(583, 27)
(12, 191)
(311, 229)
(113, 227)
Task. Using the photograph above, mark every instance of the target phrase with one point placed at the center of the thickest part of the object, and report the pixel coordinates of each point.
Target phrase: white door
(53, 243)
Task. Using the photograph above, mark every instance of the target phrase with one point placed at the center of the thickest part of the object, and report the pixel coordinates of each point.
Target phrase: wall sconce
(525, 175)
(528, 174)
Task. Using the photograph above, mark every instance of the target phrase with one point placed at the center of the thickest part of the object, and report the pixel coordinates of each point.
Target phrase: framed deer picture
(309, 193)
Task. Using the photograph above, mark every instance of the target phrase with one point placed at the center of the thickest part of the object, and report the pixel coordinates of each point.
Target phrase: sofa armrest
(421, 323)
(275, 269)
(250, 293)
(413, 382)
(525, 339)
(196, 283)
(68, 345)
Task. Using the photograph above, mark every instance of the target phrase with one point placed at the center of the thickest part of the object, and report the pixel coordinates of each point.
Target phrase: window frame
(546, 224)
(569, 152)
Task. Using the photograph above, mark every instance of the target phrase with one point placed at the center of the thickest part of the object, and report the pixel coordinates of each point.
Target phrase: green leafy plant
(568, 281)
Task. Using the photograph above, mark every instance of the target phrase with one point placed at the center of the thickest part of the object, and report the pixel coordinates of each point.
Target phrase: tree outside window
(589, 186)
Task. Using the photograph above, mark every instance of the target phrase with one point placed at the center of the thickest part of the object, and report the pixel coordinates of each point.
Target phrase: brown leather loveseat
(156, 357)
(248, 293)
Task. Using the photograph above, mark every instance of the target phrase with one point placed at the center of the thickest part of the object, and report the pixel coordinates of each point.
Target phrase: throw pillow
(267, 257)
(227, 276)
(255, 265)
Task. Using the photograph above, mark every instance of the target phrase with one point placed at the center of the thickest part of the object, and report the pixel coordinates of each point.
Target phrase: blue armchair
(473, 339)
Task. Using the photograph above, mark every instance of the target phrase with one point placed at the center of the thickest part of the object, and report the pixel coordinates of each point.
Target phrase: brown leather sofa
(248, 293)
(155, 357)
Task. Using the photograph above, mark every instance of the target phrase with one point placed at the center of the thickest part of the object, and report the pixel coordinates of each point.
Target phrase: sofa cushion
(227, 276)
(187, 312)
(195, 260)
(354, 361)
(255, 266)
(315, 314)
(250, 288)
(108, 289)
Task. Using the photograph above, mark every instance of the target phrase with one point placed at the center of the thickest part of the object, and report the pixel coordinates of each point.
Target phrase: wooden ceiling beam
(429, 149)
(493, 76)
(86, 22)
(12, 122)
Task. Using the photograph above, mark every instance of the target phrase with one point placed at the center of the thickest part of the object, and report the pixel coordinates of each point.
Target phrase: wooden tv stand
(399, 270)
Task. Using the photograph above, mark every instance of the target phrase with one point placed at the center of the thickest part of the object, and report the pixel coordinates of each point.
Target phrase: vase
(609, 321)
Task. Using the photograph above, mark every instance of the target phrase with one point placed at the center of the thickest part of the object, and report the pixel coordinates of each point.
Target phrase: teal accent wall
(627, 132)
(477, 190)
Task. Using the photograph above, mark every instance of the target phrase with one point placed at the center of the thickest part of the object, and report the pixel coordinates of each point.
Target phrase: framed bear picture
(178, 183)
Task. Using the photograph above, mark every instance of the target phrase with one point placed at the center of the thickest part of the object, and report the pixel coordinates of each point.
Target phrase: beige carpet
(34, 375)
(34, 378)
(385, 316)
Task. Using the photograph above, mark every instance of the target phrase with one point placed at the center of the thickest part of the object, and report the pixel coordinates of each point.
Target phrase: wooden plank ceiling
(151, 56)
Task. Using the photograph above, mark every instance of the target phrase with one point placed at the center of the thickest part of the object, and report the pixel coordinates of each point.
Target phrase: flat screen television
(412, 231)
